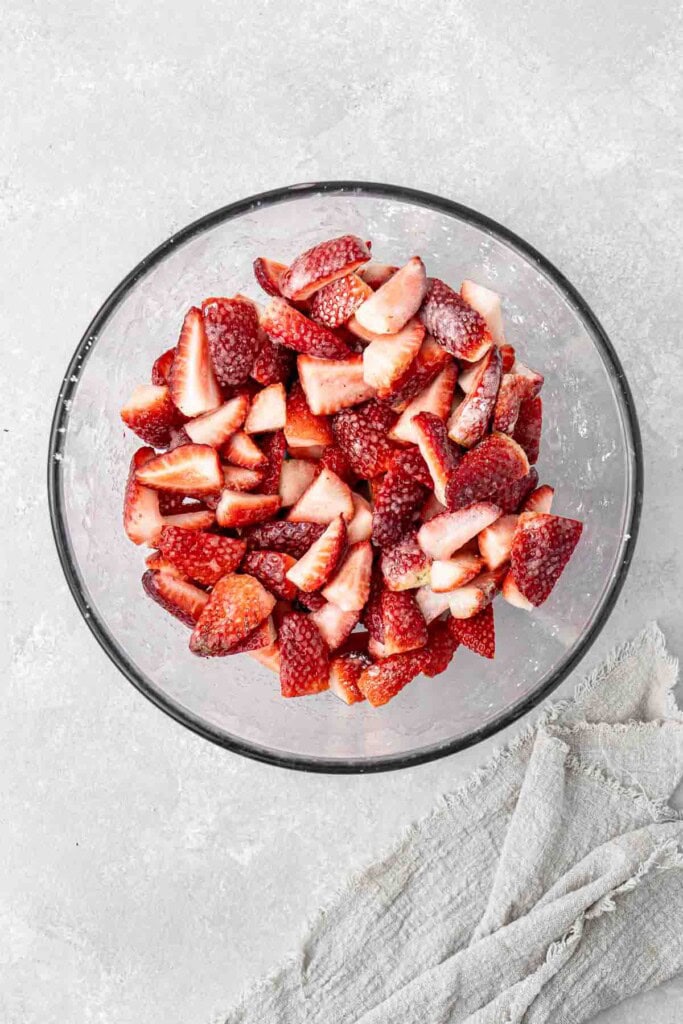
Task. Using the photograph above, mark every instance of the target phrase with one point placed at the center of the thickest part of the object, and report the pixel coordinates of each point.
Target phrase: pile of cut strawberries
(358, 451)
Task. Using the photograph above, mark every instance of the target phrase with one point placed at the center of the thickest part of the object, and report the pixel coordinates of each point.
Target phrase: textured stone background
(145, 875)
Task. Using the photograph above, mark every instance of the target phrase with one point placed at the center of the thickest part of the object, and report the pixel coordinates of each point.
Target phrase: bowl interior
(589, 454)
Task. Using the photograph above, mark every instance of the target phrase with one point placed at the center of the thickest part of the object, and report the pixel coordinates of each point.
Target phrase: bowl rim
(77, 586)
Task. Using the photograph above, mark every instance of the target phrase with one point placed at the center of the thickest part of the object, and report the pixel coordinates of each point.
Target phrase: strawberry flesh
(236, 606)
(191, 469)
(269, 274)
(528, 427)
(304, 659)
(161, 368)
(404, 565)
(470, 421)
(177, 596)
(193, 385)
(542, 546)
(151, 414)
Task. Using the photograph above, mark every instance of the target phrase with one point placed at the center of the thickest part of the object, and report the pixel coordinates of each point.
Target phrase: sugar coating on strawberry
(492, 464)
(477, 634)
(470, 421)
(380, 682)
(511, 496)
(456, 325)
(514, 389)
(542, 546)
(295, 330)
(177, 596)
(290, 538)
(232, 331)
(398, 501)
(487, 303)
(161, 368)
(151, 414)
(323, 263)
(273, 447)
(437, 450)
(529, 426)
(404, 565)
(361, 433)
(304, 658)
(271, 568)
(336, 302)
(237, 605)
(440, 647)
(371, 616)
(334, 459)
(404, 625)
(345, 671)
(274, 363)
(204, 557)
(269, 274)
(410, 461)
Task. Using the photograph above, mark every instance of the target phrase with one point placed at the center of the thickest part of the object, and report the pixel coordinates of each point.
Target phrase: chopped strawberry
(475, 596)
(190, 521)
(410, 461)
(487, 304)
(345, 671)
(361, 433)
(542, 546)
(380, 682)
(334, 624)
(322, 264)
(322, 559)
(303, 428)
(495, 542)
(388, 357)
(179, 597)
(470, 421)
(372, 613)
(172, 504)
(440, 647)
(398, 501)
(336, 302)
(456, 325)
(333, 384)
(179, 437)
(293, 329)
(477, 633)
(376, 274)
(360, 527)
(404, 625)
(238, 508)
(261, 638)
(404, 564)
(540, 500)
(427, 364)
(204, 557)
(449, 573)
(333, 458)
(214, 428)
(491, 465)
(534, 378)
(271, 568)
(296, 477)
(446, 533)
(325, 499)
(507, 353)
(269, 657)
(304, 660)
(157, 563)
(514, 389)
(236, 606)
(273, 447)
(193, 385)
(437, 450)
(510, 496)
(268, 411)
(350, 585)
(191, 469)
(150, 413)
(431, 604)
(390, 308)
(161, 370)
(528, 427)
(269, 274)
(274, 363)
(291, 538)
(238, 478)
(432, 507)
(313, 602)
(513, 595)
(436, 399)
(232, 331)
(240, 450)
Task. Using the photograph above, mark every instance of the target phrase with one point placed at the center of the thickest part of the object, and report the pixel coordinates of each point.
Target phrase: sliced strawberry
(345, 671)
(271, 568)
(325, 499)
(214, 428)
(542, 546)
(404, 625)
(157, 563)
(294, 330)
(440, 647)
(333, 384)
(361, 433)
(238, 478)
(431, 604)
(528, 427)
(190, 522)
(321, 560)
(161, 370)
(192, 469)
(236, 606)
(436, 399)
(540, 500)
(333, 458)
(269, 657)
(475, 596)
(477, 633)
(360, 527)
(179, 597)
(239, 508)
(432, 507)
(437, 450)
(261, 638)
(389, 309)
(240, 450)
(398, 501)
(512, 495)
(487, 304)
(322, 264)
(470, 421)
(380, 682)
(513, 595)
(507, 353)
(459, 328)
(427, 364)
(204, 557)
(495, 542)
(150, 413)
(232, 331)
(350, 586)
(446, 533)
(274, 363)
(515, 388)
(303, 428)
(376, 274)
(387, 358)
(291, 538)
(296, 477)
(334, 303)
(193, 385)
(273, 447)
(405, 566)
(269, 274)
(491, 465)
(304, 659)
(141, 516)
(409, 461)
(268, 411)
(449, 573)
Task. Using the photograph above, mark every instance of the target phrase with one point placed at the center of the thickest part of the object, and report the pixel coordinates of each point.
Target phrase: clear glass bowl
(591, 453)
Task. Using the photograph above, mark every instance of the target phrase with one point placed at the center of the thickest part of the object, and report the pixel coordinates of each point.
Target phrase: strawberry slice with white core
(191, 469)
(240, 450)
(542, 546)
(446, 533)
(268, 410)
(431, 604)
(376, 274)
(345, 671)
(464, 602)
(390, 308)
(360, 527)
(238, 478)
(469, 422)
(540, 500)
(296, 476)
(150, 413)
(495, 542)
(303, 429)
(325, 499)
(336, 302)
(237, 508)
(456, 325)
(269, 274)
(191, 521)
(405, 566)
(437, 450)
(177, 596)
(513, 595)
(142, 519)
(334, 624)
(236, 606)
(437, 399)
(193, 385)
(321, 264)
(388, 357)
(333, 384)
(321, 560)
(214, 428)
(449, 573)
(487, 304)
(269, 657)
(350, 586)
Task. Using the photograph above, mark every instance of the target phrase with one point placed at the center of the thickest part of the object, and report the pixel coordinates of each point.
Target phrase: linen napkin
(546, 888)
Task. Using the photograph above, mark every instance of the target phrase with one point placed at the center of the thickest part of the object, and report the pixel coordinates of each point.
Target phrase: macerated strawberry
(291, 538)
(540, 500)
(192, 469)
(157, 563)
(389, 309)
(477, 633)
(464, 602)
(178, 438)
(380, 682)
(312, 602)
(150, 413)
(241, 450)
(269, 657)
(239, 508)
(388, 357)
(322, 264)
(193, 385)
(495, 541)
(190, 521)
(360, 527)
(431, 604)
(269, 274)
(271, 568)
(376, 274)
(436, 399)
(507, 353)
(177, 596)
(487, 304)
(542, 546)
(334, 624)
(491, 465)
(273, 447)
(440, 647)
(437, 450)
(204, 557)
(333, 458)
(361, 433)
(303, 428)
(459, 328)
(513, 595)
(511, 496)
(325, 499)
(296, 477)
(267, 411)
(470, 420)
(322, 559)
(448, 573)
(238, 478)
(528, 427)
(274, 364)
(333, 384)
(293, 329)
(410, 461)
(142, 519)
(397, 504)
(215, 427)
(371, 616)
(336, 302)
(263, 637)
(350, 585)
(515, 388)
(404, 625)
(427, 364)
(432, 507)
(171, 504)
(232, 331)
(446, 533)
(236, 606)
(345, 671)
(304, 660)
(161, 369)
(534, 378)
(404, 565)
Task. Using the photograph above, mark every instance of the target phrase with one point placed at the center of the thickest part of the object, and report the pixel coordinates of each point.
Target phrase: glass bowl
(590, 452)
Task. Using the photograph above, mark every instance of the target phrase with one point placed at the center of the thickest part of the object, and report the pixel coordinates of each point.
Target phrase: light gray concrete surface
(145, 875)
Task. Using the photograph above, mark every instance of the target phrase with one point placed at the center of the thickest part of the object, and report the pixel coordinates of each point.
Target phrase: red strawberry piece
(303, 428)
(495, 542)
(192, 469)
(437, 450)
(240, 450)
(236, 606)
(269, 274)
(161, 369)
(204, 557)
(271, 568)
(304, 659)
(440, 647)
(179, 597)
(511, 496)
(263, 637)
(150, 413)
(141, 516)
(268, 411)
(534, 378)
(345, 671)
(464, 602)
(274, 363)
(193, 385)
(427, 364)
(291, 538)
(238, 478)
(361, 433)
(436, 399)
(376, 274)
(432, 507)
(405, 565)
(487, 304)
(179, 437)
(292, 328)
(431, 604)
(448, 573)
(238, 508)
(371, 616)
(333, 458)
(514, 389)
(447, 533)
(325, 499)
(398, 501)
(404, 625)
(388, 357)
(171, 504)
(322, 264)
(478, 633)
(410, 461)
(269, 657)
(273, 447)
(528, 427)
(157, 563)
(337, 301)
(513, 595)
(296, 477)
(349, 588)
(540, 500)
(314, 602)
(459, 328)
(333, 384)
(232, 331)
(190, 521)
(542, 546)
(389, 309)
(360, 527)
(355, 642)
(470, 421)
(487, 468)
(214, 428)
(507, 354)
(380, 682)
(334, 624)
(320, 562)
